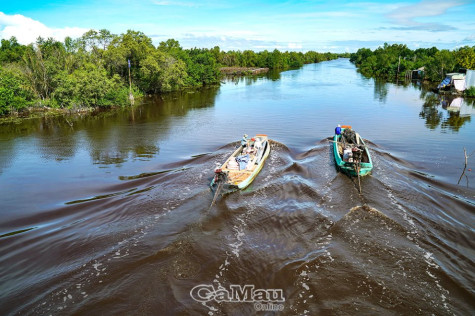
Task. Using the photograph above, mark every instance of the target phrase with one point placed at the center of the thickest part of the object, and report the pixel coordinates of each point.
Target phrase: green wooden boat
(351, 153)
(231, 176)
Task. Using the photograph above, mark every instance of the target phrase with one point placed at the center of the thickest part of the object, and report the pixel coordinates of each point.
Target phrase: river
(109, 213)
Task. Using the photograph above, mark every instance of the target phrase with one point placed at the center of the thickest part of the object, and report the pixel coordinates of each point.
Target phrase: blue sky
(335, 26)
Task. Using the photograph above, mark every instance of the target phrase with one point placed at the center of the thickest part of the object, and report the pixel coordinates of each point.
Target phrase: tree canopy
(93, 70)
(385, 61)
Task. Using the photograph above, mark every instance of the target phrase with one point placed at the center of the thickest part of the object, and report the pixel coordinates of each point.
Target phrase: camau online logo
(264, 300)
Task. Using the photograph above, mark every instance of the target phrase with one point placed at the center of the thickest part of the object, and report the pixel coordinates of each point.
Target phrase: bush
(120, 97)
(470, 92)
(90, 87)
(13, 96)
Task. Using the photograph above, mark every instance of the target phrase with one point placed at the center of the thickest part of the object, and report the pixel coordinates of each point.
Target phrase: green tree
(36, 73)
(133, 46)
(361, 55)
(295, 60)
(202, 68)
(465, 57)
(162, 72)
(11, 51)
(276, 61)
(249, 58)
(96, 42)
(442, 63)
(387, 60)
(89, 87)
(13, 93)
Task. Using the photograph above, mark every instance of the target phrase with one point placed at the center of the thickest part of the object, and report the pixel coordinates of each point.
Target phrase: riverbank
(39, 112)
(242, 71)
(73, 114)
(392, 61)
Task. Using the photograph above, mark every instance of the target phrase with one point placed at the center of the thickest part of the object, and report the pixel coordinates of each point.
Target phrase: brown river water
(108, 214)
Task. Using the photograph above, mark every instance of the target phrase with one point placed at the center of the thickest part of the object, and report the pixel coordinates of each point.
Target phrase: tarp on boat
(242, 160)
(444, 83)
(459, 84)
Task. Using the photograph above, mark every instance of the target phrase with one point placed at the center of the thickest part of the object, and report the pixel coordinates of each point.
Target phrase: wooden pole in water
(358, 173)
(216, 193)
(131, 96)
(398, 64)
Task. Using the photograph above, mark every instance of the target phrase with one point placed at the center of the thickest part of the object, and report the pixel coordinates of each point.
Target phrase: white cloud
(406, 15)
(175, 3)
(236, 40)
(470, 38)
(323, 14)
(294, 45)
(27, 30)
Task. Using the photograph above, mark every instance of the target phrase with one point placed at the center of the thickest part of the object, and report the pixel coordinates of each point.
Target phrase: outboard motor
(219, 176)
(357, 153)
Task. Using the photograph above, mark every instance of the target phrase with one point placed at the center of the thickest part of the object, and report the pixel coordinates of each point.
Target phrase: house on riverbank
(453, 80)
(415, 74)
(458, 82)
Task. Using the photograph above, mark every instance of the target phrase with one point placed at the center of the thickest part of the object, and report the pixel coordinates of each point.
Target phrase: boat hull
(349, 167)
(238, 180)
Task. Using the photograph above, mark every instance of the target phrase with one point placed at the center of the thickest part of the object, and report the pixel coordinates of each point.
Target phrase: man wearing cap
(244, 141)
(338, 130)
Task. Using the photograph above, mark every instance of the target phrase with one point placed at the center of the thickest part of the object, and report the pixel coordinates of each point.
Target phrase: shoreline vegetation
(398, 62)
(100, 69)
(243, 71)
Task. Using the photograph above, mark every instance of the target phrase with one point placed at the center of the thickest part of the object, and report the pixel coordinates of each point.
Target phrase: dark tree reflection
(380, 90)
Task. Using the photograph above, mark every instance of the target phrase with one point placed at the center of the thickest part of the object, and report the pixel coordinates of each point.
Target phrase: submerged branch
(465, 166)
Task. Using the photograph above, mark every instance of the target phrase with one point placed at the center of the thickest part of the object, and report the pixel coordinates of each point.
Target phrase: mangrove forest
(99, 69)
(391, 61)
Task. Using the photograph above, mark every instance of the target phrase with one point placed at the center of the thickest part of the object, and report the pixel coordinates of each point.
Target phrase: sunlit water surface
(109, 213)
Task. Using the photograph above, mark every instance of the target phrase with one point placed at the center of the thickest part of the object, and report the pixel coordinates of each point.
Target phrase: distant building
(453, 80)
(470, 78)
(415, 74)
(418, 73)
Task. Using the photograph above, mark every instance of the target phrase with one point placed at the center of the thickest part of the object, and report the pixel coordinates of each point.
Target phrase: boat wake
(403, 245)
